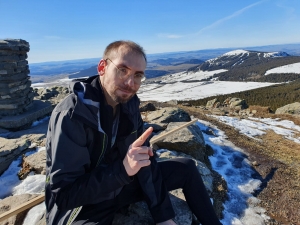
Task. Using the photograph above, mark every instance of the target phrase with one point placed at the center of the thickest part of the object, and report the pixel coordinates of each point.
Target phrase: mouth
(126, 90)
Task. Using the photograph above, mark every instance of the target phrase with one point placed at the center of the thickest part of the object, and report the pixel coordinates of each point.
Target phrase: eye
(123, 70)
(139, 75)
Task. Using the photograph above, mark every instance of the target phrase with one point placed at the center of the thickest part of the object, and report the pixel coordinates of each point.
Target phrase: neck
(108, 99)
(110, 102)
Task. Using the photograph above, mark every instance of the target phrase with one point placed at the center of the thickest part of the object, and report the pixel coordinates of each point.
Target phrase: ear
(101, 67)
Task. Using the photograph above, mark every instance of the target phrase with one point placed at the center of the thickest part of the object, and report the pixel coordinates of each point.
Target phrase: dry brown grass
(264, 112)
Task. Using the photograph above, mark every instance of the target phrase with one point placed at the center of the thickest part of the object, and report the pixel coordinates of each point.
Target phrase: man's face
(118, 90)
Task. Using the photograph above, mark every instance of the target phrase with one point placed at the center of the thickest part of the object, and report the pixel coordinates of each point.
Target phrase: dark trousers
(176, 173)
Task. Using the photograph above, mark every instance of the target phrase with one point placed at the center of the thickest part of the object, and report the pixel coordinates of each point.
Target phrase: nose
(129, 80)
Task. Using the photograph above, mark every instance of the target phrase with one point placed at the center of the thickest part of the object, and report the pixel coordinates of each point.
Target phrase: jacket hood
(89, 97)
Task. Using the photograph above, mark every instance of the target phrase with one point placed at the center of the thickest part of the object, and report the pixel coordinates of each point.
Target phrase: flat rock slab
(38, 110)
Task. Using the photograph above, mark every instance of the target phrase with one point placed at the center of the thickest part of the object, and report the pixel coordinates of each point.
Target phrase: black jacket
(82, 168)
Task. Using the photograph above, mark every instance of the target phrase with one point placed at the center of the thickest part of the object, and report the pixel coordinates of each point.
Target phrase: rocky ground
(277, 163)
(276, 160)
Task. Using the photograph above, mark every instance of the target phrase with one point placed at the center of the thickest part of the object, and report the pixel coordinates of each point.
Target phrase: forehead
(126, 56)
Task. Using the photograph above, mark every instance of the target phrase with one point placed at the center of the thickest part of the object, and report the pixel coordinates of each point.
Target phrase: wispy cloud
(52, 37)
(170, 36)
(235, 14)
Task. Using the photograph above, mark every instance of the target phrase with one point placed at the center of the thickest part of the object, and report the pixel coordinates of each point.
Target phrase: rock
(238, 103)
(212, 103)
(35, 162)
(172, 102)
(156, 127)
(209, 131)
(218, 111)
(139, 214)
(17, 143)
(186, 104)
(226, 101)
(188, 140)
(54, 94)
(293, 109)
(147, 107)
(166, 115)
(11, 203)
(10, 149)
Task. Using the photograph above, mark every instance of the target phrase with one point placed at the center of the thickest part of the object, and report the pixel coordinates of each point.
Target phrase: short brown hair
(114, 46)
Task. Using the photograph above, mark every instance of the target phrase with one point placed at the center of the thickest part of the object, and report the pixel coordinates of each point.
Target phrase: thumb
(140, 141)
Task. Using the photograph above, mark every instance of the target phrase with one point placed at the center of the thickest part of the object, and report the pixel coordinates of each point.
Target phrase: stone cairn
(16, 94)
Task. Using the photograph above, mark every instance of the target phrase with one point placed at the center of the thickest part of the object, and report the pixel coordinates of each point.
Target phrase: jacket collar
(91, 102)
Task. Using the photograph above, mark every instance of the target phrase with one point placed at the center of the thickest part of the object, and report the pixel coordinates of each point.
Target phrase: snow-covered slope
(291, 68)
(188, 86)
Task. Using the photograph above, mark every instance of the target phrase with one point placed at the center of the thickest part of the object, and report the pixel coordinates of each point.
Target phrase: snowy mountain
(239, 58)
(242, 65)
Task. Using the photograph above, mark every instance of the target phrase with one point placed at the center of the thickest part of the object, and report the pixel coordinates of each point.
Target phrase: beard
(122, 98)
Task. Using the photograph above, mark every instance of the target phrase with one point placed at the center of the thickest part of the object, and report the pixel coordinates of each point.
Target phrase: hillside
(274, 96)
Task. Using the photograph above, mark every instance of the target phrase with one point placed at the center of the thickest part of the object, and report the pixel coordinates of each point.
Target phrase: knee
(190, 165)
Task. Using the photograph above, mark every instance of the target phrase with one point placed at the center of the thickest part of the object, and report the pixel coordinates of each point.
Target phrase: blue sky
(63, 30)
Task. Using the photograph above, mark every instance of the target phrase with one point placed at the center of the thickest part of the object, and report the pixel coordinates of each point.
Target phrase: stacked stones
(16, 94)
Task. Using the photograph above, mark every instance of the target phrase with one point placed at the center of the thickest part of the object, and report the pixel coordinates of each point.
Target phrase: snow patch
(275, 54)
(291, 68)
(33, 184)
(170, 88)
(35, 214)
(236, 52)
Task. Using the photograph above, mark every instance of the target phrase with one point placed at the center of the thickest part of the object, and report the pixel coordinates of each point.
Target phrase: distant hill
(155, 68)
(61, 67)
(85, 73)
(242, 65)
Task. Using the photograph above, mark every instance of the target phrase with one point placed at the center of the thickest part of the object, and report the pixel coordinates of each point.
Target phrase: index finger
(140, 141)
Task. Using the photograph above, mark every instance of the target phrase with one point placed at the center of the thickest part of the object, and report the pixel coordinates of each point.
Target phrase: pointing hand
(137, 155)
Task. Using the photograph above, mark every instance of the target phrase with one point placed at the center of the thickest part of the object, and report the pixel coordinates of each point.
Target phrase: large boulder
(293, 109)
(237, 103)
(188, 140)
(11, 203)
(166, 115)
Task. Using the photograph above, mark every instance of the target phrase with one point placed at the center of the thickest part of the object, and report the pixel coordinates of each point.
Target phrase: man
(97, 156)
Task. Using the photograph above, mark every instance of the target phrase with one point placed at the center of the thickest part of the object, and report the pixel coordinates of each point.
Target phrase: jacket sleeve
(68, 159)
